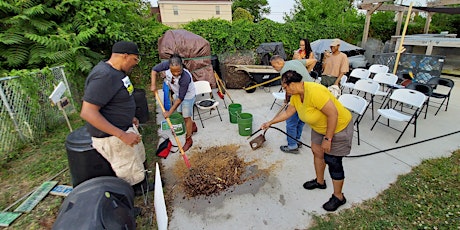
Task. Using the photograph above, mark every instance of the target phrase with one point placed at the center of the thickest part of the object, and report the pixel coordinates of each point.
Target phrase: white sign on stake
(57, 93)
(159, 201)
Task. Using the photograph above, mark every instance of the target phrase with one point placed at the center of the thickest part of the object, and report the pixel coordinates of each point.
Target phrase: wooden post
(427, 23)
(398, 24)
(367, 23)
(402, 38)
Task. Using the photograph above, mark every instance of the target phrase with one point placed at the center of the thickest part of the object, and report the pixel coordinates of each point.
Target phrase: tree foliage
(242, 14)
(257, 8)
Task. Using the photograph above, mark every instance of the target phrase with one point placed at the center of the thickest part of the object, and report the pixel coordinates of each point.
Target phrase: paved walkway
(279, 201)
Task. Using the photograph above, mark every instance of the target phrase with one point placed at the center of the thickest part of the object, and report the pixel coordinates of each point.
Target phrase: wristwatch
(327, 139)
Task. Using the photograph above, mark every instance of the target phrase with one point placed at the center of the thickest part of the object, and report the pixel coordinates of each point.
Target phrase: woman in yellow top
(305, 52)
(331, 131)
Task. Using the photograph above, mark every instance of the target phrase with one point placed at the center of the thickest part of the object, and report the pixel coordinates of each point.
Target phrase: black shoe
(299, 145)
(314, 184)
(334, 203)
(141, 189)
(285, 149)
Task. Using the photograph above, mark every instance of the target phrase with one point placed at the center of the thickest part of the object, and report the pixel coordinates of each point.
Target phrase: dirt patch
(214, 170)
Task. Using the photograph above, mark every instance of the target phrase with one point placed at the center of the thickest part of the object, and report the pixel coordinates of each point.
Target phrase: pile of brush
(213, 170)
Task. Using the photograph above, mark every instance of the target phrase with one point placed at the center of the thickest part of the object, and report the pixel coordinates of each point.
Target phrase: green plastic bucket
(245, 124)
(234, 110)
(178, 123)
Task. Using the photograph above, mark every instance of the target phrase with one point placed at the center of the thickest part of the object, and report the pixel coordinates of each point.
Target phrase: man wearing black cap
(109, 109)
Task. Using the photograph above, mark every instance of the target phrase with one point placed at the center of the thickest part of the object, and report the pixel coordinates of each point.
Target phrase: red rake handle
(187, 163)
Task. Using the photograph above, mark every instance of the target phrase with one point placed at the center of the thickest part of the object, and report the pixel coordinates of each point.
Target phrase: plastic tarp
(358, 60)
(266, 50)
(194, 49)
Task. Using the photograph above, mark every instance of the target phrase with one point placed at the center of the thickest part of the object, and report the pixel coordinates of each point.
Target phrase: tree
(319, 11)
(77, 33)
(257, 8)
(242, 14)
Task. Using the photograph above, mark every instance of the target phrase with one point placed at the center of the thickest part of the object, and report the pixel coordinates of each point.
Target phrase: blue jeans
(294, 128)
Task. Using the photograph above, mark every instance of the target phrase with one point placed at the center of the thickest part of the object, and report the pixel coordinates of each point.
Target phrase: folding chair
(406, 96)
(355, 104)
(281, 95)
(357, 73)
(368, 86)
(206, 102)
(387, 80)
(425, 89)
(377, 68)
(445, 82)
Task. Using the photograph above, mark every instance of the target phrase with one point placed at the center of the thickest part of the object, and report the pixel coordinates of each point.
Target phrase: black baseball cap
(124, 47)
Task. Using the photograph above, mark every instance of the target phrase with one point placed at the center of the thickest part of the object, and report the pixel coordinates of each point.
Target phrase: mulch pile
(213, 170)
(235, 79)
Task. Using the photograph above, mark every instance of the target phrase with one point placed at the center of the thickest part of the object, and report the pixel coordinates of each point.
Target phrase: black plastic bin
(99, 203)
(85, 162)
(142, 108)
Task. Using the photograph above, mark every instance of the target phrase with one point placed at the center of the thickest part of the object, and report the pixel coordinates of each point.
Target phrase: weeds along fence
(27, 113)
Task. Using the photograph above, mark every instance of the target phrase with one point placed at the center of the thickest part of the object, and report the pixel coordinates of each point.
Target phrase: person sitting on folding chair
(305, 52)
(335, 65)
(294, 125)
(180, 81)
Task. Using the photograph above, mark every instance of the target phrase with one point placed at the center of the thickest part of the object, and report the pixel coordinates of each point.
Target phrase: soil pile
(213, 170)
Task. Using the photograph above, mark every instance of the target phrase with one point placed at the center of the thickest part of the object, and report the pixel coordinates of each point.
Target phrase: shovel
(187, 163)
(222, 89)
(219, 92)
(259, 140)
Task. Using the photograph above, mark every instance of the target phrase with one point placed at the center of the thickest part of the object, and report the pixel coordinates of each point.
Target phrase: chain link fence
(424, 67)
(27, 112)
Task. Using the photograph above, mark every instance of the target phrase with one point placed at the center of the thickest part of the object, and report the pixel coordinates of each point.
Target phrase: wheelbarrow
(259, 75)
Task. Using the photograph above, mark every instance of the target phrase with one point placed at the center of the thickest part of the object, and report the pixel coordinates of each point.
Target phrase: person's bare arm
(281, 117)
(332, 116)
(153, 81)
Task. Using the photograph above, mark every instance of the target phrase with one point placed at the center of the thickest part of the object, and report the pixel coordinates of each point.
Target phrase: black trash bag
(267, 50)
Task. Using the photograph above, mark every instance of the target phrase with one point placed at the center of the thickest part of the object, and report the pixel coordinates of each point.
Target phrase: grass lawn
(426, 198)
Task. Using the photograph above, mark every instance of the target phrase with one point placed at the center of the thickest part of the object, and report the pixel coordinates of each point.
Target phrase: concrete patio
(279, 201)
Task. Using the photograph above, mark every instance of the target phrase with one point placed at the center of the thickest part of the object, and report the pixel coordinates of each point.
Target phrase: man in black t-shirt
(109, 109)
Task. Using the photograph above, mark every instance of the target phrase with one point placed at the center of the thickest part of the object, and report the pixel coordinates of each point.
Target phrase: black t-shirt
(112, 90)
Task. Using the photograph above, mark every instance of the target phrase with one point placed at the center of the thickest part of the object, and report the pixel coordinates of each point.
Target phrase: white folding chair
(406, 96)
(386, 80)
(355, 104)
(377, 68)
(368, 86)
(206, 101)
(278, 96)
(356, 73)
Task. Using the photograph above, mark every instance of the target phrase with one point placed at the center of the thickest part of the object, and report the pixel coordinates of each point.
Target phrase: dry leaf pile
(213, 170)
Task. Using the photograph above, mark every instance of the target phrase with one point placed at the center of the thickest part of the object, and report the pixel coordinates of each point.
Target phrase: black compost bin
(142, 108)
(84, 161)
(98, 203)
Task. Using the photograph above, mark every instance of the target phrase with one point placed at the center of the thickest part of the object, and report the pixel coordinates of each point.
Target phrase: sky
(279, 7)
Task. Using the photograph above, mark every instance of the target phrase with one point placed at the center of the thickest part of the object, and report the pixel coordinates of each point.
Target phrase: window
(217, 10)
(175, 10)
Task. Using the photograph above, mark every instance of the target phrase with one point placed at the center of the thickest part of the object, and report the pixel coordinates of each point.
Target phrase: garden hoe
(187, 163)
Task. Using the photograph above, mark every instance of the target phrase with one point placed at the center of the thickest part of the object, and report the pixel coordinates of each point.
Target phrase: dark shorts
(327, 80)
(341, 141)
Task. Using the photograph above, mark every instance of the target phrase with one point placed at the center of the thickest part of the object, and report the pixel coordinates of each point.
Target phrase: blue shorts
(186, 107)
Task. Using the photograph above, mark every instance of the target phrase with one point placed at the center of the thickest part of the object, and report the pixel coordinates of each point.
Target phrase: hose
(376, 152)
